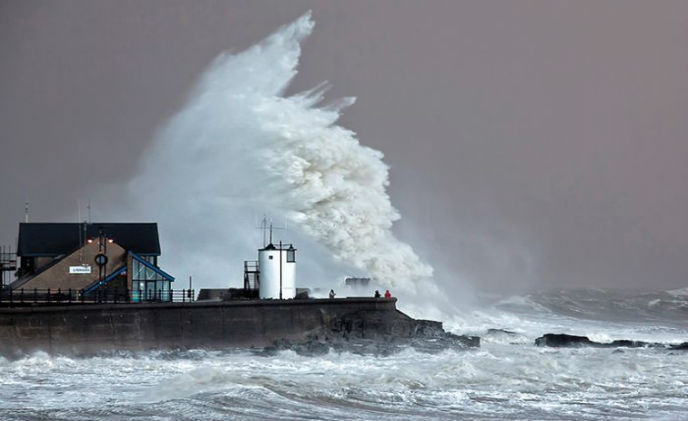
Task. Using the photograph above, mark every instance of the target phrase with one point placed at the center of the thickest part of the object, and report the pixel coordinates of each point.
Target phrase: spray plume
(240, 147)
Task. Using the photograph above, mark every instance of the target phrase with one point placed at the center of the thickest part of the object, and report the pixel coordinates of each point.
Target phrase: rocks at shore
(349, 334)
(500, 332)
(318, 345)
(564, 340)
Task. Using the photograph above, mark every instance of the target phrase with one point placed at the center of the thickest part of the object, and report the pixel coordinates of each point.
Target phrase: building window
(291, 256)
(149, 285)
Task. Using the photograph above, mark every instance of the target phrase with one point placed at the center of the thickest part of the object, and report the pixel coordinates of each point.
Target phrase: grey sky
(531, 143)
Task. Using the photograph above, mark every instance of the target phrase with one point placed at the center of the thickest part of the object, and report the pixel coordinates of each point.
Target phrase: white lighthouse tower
(277, 266)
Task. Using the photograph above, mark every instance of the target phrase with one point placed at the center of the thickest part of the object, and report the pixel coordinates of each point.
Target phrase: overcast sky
(532, 144)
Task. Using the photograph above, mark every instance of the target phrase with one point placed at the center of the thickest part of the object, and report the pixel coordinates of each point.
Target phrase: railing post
(21, 297)
(11, 296)
(48, 296)
(59, 295)
(69, 297)
(35, 295)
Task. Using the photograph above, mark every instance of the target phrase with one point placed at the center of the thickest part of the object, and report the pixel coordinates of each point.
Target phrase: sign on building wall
(80, 269)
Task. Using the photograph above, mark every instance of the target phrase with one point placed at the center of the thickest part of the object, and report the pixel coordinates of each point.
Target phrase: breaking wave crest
(240, 147)
(662, 307)
(601, 314)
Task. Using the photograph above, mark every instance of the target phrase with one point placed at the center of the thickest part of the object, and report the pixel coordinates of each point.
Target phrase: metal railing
(110, 295)
(251, 274)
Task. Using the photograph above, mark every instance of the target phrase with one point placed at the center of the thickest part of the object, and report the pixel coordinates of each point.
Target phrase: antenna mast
(26, 211)
(264, 226)
(267, 228)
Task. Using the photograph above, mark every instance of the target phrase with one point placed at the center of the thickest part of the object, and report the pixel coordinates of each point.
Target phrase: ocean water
(508, 377)
(240, 146)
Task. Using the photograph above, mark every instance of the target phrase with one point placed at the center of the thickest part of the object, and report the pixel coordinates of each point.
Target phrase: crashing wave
(240, 147)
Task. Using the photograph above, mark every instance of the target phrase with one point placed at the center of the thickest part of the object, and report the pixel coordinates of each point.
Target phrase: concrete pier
(92, 328)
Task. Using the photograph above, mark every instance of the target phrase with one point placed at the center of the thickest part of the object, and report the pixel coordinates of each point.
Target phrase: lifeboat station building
(88, 260)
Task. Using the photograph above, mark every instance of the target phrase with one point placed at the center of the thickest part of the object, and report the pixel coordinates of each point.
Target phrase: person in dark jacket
(332, 294)
(377, 294)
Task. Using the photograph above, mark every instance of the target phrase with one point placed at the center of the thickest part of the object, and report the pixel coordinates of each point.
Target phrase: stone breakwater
(365, 324)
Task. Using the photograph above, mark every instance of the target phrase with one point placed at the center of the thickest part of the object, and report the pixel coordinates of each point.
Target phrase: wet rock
(624, 343)
(680, 347)
(564, 340)
(376, 337)
(500, 332)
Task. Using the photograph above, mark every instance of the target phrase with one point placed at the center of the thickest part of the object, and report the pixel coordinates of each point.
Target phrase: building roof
(54, 239)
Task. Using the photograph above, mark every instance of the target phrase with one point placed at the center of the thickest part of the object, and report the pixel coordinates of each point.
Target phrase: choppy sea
(508, 377)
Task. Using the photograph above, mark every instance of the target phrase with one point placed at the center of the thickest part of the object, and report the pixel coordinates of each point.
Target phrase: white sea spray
(240, 147)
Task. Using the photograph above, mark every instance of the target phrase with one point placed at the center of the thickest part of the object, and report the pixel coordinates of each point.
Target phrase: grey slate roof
(54, 239)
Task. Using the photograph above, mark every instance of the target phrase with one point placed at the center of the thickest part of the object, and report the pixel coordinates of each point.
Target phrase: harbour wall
(92, 328)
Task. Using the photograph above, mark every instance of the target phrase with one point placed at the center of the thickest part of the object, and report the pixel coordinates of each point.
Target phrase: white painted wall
(269, 266)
